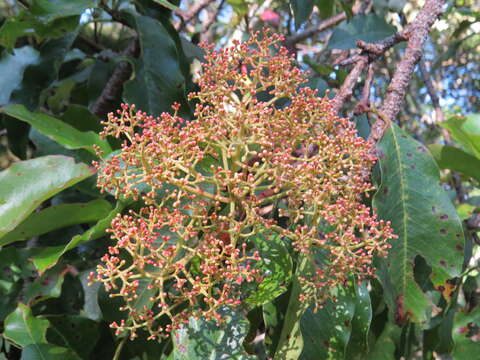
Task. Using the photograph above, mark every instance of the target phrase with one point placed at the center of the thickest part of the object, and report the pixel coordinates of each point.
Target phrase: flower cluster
(263, 155)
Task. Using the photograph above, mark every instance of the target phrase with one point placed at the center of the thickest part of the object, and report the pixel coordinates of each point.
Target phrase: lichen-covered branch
(417, 33)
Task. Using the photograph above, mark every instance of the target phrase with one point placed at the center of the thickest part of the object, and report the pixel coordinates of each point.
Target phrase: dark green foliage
(59, 59)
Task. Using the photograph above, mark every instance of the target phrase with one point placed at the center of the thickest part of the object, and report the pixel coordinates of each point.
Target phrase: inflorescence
(263, 157)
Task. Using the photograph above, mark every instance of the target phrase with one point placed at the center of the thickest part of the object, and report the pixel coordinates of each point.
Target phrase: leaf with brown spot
(424, 218)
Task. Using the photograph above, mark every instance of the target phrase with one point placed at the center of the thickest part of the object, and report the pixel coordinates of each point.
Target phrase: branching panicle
(263, 156)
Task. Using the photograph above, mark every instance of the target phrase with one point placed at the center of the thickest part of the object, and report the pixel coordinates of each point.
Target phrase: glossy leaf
(81, 118)
(58, 130)
(22, 328)
(276, 267)
(56, 217)
(43, 73)
(48, 256)
(159, 81)
(202, 339)
(26, 184)
(47, 352)
(24, 24)
(339, 326)
(369, 28)
(449, 157)
(466, 334)
(385, 345)
(302, 9)
(465, 130)
(360, 323)
(168, 5)
(282, 318)
(91, 309)
(48, 10)
(325, 8)
(74, 332)
(412, 199)
(47, 285)
(15, 267)
(12, 67)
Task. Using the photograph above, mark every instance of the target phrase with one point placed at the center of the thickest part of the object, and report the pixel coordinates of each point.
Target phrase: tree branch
(364, 103)
(359, 7)
(113, 89)
(369, 53)
(209, 21)
(187, 16)
(346, 90)
(322, 26)
(417, 33)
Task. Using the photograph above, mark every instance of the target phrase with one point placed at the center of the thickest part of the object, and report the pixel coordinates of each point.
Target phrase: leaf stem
(119, 348)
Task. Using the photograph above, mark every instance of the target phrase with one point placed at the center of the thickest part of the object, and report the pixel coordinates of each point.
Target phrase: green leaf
(39, 76)
(202, 339)
(26, 184)
(12, 29)
(276, 266)
(465, 130)
(326, 333)
(412, 199)
(48, 10)
(48, 256)
(74, 332)
(385, 346)
(302, 9)
(239, 6)
(347, 7)
(22, 328)
(282, 318)
(12, 67)
(15, 268)
(56, 217)
(466, 334)
(158, 81)
(393, 5)
(25, 24)
(81, 118)
(449, 157)
(369, 28)
(325, 8)
(58, 130)
(47, 352)
(44, 287)
(358, 343)
(166, 4)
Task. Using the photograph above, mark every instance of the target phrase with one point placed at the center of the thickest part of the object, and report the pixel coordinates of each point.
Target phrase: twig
(94, 45)
(364, 102)
(439, 118)
(346, 90)
(370, 52)
(359, 7)
(417, 33)
(207, 24)
(119, 348)
(114, 14)
(432, 92)
(187, 16)
(322, 26)
(112, 90)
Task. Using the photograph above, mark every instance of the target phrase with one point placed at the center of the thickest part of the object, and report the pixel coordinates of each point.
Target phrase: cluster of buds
(263, 155)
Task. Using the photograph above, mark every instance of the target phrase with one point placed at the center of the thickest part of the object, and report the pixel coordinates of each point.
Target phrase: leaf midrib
(402, 189)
